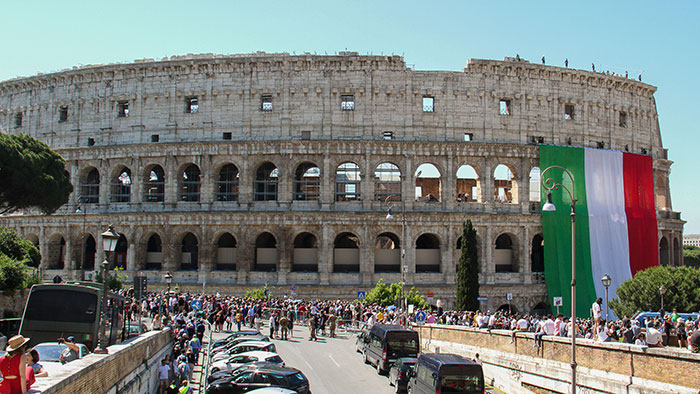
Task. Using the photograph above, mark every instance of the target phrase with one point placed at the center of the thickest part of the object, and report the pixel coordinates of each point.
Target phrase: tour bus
(56, 311)
(446, 373)
(386, 343)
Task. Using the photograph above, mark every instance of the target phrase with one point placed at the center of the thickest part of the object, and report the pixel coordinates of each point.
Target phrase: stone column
(131, 256)
(526, 264)
(489, 266)
(208, 183)
(447, 256)
(74, 171)
(325, 257)
(136, 186)
(69, 259)
(171, 182)
(486, 178)
(105, 180)
(327, 181)
(245, 183)
(366, 186)
(449, 185)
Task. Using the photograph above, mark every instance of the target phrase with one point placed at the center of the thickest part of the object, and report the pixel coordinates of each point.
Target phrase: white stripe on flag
(605, 195)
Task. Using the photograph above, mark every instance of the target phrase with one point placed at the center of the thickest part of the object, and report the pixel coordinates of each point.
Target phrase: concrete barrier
(518, 367)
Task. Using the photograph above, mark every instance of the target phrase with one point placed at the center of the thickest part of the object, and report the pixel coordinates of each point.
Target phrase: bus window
(62, 305)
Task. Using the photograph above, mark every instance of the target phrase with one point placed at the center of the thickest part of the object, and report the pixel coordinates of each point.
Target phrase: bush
(258, 294)
(391, 295)
(18, 248)
(12, 275)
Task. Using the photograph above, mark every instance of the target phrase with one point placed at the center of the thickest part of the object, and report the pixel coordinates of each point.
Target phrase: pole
(101, 344)
(573, 296)
(607, 309)
(404, 268)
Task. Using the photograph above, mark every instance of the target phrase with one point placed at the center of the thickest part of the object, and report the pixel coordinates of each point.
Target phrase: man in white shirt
(595, 308)
(163, 371)
(546, 327)
(654, 336)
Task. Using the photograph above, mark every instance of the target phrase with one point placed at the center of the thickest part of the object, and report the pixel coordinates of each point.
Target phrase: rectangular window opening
(123, 109)
(569, 112)
(388, 135)
(347, 103)
(155, 137)
(468, 137)
(62, 114)
(428, 104)
(623, 119)
(266, 103)
(227, 135)
(191, 105)
(18, 120)
(504, 107)
(306, 134)
(91, 141)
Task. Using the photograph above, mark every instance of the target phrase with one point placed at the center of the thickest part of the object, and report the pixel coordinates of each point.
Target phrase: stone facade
(279, 169)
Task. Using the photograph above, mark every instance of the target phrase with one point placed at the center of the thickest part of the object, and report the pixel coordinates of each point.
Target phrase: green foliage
(12, 275)
(31, 280)
(115, 280)
(18, 248)
(641, 293)
(257, 294)
(391, 295)
(468, 270)
(31, 175)
(416, 299)
(691, 256)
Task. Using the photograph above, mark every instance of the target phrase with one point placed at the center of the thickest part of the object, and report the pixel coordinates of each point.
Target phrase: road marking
(307, 363)
(336, 363)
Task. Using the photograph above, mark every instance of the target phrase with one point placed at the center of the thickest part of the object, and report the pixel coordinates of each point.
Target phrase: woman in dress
(13, 367)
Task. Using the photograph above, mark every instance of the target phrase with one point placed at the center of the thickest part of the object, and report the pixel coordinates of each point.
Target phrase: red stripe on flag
(640, 208)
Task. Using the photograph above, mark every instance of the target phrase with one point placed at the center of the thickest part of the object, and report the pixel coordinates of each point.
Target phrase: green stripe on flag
(556, 228)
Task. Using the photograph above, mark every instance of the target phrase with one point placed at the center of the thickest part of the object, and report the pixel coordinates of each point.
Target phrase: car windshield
(460, 384)
(404, 345)
(274, 359)
(296, 379)
(49, 352)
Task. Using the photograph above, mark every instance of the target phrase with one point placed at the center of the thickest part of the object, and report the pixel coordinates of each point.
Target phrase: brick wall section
(108, 370)
(666, 365)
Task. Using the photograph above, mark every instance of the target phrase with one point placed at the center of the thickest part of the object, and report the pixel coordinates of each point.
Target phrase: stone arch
(89, 252)
(154, 252)
(347, 182)
(305, 258)
(387, 182)
(504, 184)
(56, 258)
(120, 253)
(507, 308)
(90, 185)
(265, 253)
(227, 183)
(677, 253)
(346, 253)
(226, 252)
(121, 185)
(537, 254)
(154, 184)
(504, 253)
(542, 308)
(428, 253)
(266, 182)
(535, 194)
(189, 249)
(663, 252)
(387, 253)
(307, 182)
(428, 183)
(190, 183)
(468, 184)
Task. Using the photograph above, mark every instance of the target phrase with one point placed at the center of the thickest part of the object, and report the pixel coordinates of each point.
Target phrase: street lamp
(168, 279)
(109, 243)
(606, 279)
(662, 291)
(549, 184)
(404, 268)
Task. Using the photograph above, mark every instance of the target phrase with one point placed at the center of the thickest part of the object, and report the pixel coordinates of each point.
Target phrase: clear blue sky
(657, 39)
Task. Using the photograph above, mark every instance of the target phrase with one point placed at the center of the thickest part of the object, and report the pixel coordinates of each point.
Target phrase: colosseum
(235, 171)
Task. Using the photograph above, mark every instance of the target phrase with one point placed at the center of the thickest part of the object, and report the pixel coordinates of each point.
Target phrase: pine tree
(468, 271)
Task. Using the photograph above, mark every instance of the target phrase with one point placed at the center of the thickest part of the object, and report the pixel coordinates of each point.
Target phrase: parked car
(245, 347)
(400, 372)
(237, 360)
(272, 390)
(243, 333)
(361, 341)
(387, 343)
(135, 329)
(245, 367)
(50, 355)
(233, 342)
(446, 373)
(289, 378)
(641, 316)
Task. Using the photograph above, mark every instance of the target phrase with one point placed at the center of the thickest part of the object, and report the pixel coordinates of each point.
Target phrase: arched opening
(121, 186)
(57, 253)
(467, 184)
(503, 184)
(227, 185)
(427, 183)
(265, 253)
(154, 186)
(387, 182)
(535, 194)
(663, 252)
(90, 187)
(427, 253)
(189, 258)
(89, 252)
(346, 253)
(190, 184)
(307, 184)
(503, 255)
(507, 308)
(347, 182)
(154, 253)
(265, 184)
(676, 253)
(537, 254)
(387, 253)
(542, 309)
(226, 253)
(305, 253)
(120, 252)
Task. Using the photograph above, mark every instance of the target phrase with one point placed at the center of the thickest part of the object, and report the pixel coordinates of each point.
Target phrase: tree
(468, 270)
(691, 255)
(18, 248)
(391, 295)
(31, 175)
(12, 274)
(260, 293)
(641, 293)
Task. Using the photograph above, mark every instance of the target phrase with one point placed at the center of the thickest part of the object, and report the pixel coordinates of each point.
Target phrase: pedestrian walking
(312, 329)
(332, 324)
(284, 326)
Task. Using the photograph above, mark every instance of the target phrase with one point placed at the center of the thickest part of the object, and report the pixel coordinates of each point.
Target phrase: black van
(386, 343)
(446, 374)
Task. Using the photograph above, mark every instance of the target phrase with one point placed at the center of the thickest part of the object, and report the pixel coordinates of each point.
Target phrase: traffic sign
(430, 294)
(361, 295)
(293, 287)
(558, 301)
(196, 305)
(510, 296)
(482, 298)
(420, 316)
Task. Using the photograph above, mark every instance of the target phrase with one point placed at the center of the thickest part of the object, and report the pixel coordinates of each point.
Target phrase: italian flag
(616, 232)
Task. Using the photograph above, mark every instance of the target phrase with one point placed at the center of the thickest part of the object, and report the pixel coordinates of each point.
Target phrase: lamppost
(662, 291)
(404, 268)
(168, 279)
(109, 243)
(549, 184)
(606, 282)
